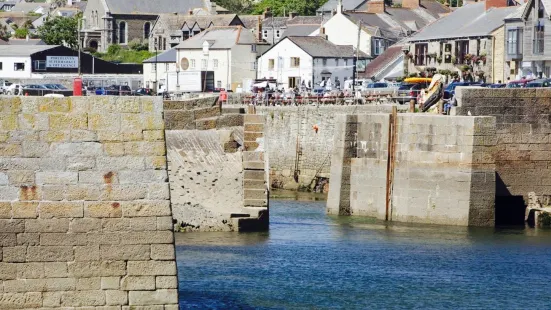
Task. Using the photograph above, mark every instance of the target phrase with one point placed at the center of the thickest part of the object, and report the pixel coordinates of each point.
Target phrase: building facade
(308, 61)
(230, 52)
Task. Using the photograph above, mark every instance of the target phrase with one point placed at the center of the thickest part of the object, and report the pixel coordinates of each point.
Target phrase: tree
(21, 33)
(236, 6)
(60, 31)
(283, 7)
(4, 33)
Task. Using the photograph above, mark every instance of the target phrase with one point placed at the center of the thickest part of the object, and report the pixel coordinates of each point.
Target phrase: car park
(539, 83)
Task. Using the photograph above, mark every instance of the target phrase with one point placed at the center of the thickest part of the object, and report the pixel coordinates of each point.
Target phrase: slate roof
(165, 57)
(308, 20)
(176, 21)
(317, 46)
(250, 21)
(300, 30)
(467, 21)
(26, 7)
(347, 5)
(517, 14)
(155, 6)
(23, 50)
(26, 42)
(219, 38)
(387, 57)
(278, 22)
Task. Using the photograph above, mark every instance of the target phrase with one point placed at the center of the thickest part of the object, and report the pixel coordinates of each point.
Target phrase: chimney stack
(322, 33)
(213, 8)
(259, 29)
(378, 6)
(411, 4)
(190, 12)
(267, 13)
(339, 7)
(496, 4)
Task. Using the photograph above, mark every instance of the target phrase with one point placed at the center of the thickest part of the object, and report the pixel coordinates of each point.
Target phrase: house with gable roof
(380, 25)
(528, 40)
(470, 42)
(175, 28)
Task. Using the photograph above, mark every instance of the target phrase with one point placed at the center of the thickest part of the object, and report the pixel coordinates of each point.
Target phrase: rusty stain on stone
(115, 205)
(108, 177)
(28, 193)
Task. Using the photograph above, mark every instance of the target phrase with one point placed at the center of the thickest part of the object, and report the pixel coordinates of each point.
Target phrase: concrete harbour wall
(443, 172)
(285, 124)
(86, 221)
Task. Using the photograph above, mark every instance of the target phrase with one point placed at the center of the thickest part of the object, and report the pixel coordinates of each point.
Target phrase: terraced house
(469, 43)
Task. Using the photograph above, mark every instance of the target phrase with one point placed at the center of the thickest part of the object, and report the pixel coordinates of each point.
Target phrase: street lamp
(156, 68)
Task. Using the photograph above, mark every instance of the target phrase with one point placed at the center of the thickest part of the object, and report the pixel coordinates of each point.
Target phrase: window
(271, 64)
(336, 61)
(164, 43)
(203, 64)
(294, 81)
(19, 66)
(185, 35)
(192, 63)
(156, 43)
(122, 32)
(277, 33)
(378, 47)
(265, 34)
(295, 62)
(345, 62)
(40, 65)
(196, 32)
(514, 41)
(447, 53)
(146, 30)
(253, 48)
(154, 68)
(461, 49)
(420, 54)
(1, 67)
(253, 65)
(324, 61)
(215, 63)
(539, 31)
(218, 84)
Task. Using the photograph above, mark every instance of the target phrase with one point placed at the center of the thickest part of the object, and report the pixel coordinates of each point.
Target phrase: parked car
(4, 86)
(14, 89)
(55, 86)
(114, 90)
(449, 91)
(497, 85)
(408, 91)
(539, 83)
(518, 83)
(318, 92)
(381, 89)
(144, 92)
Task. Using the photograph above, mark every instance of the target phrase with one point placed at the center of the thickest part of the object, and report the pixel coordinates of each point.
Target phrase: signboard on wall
(61, 62)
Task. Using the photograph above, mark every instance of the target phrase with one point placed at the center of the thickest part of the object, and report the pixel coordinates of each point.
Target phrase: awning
(261, 85)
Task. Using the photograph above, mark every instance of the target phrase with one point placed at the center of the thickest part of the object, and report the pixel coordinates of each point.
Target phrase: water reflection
(312, 261)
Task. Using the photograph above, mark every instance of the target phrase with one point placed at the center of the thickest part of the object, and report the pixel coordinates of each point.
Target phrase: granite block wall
(523, 135)
(443, 171)
(85, 216)
(216, 167)
(284, 124)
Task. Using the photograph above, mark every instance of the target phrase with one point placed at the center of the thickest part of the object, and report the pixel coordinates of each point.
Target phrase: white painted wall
(342, 31)
(243, 65)
(282, 53)
(162, 69)
(8, 64)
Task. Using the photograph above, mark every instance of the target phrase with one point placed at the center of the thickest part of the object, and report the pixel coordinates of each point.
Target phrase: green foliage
(60, 31)
(116, 53)
(28, 24)
(21, 33)
(283, 7)
(138, 45)
(4, 33)
(545, 219)
(236, 6)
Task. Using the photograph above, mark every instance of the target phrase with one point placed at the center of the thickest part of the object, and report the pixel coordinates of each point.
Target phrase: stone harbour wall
(85, 215)
(210, 154)
(285, 124)
(523, 134)
(443, 170)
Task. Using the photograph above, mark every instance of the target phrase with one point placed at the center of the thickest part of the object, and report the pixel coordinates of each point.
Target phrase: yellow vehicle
(415, 80)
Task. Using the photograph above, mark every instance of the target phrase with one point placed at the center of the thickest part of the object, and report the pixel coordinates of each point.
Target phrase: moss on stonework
(545, 219)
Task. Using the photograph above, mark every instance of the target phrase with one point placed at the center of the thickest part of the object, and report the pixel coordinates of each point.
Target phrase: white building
(307, 61)
(16, 60)
(157, 68)
(230, 52)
